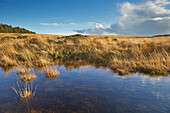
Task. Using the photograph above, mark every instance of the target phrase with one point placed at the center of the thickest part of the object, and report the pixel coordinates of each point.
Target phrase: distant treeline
(4, 28)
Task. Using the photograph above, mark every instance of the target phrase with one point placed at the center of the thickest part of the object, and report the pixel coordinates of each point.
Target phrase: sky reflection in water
(87, 89)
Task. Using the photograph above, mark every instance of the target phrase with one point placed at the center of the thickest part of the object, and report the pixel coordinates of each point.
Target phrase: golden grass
(27, 78)
(123, 54)
(52, 73)
(24, 71)
(26, 92)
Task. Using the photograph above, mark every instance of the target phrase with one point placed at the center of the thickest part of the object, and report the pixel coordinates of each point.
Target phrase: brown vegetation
(52, 73)
(26, 92)
(27, 78)
(24, 71)
(123, 54)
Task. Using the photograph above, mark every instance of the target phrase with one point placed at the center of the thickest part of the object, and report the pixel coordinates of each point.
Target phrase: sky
(100, 17)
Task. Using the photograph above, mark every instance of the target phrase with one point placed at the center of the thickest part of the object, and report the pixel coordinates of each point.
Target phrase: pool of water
(86, 89)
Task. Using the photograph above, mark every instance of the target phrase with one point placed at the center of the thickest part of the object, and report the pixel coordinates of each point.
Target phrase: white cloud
(162, 2)
(149, 18)
(51, 24)
(98, 26)
(62, 33)
(90, 24)
(160, 18)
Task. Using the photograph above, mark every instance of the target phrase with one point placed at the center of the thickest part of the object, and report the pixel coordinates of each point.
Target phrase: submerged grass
(123, 54)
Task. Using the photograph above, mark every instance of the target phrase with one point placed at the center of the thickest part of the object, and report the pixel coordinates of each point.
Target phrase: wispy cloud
(63, 33)
(69, 24)
(51, 24)
(149, 18)
(162, 2)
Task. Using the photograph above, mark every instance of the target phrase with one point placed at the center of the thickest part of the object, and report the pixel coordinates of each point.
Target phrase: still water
(86, 89)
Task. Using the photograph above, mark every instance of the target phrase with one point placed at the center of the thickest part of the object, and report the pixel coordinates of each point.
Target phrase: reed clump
(123, 54)
(24, 71)
(52, 73)
(25, 93)
(27, 78)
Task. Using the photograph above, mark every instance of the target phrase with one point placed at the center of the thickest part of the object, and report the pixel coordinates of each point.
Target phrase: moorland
(122, 54)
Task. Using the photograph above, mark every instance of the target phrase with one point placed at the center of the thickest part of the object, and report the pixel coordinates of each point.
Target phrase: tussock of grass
(123, 72)
(26, 92)
(24, 71)
(27, 78)
(124, 54)
(51, 73)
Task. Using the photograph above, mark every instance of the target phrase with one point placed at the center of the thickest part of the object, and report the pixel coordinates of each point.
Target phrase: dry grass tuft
(26, 92)
(24, 71)
(51, 73)
(27, 78)
(123, 72)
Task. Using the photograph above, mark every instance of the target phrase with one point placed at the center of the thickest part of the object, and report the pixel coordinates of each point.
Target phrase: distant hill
(161, 35)
(4, 28)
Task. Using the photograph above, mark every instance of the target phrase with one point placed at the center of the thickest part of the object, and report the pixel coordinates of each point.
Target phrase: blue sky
(75, 16)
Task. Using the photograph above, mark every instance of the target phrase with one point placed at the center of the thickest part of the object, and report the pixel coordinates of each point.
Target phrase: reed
(26, 92)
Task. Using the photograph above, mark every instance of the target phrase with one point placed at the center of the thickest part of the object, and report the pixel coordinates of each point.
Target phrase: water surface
(87, 89)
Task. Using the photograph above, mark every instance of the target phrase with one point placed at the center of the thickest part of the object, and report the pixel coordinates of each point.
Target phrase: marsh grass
(26, 75)
(25, 93)
(123, 54)
(24, 71)
(52, 73)
(27, 78)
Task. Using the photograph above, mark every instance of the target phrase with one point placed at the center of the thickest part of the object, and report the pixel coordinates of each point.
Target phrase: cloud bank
(150, 18)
